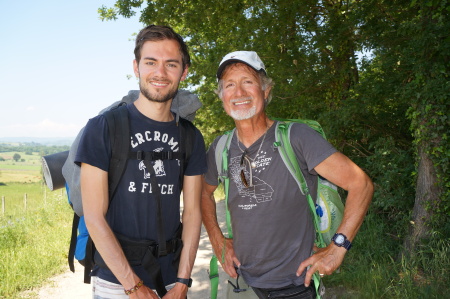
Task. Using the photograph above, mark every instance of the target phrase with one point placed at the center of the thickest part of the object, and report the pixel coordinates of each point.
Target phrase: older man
(273, 238)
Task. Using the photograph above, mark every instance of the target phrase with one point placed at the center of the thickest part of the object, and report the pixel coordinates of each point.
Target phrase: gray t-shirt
(272, 226)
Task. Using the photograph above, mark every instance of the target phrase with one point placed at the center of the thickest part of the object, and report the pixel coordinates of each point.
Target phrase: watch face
(340, 239)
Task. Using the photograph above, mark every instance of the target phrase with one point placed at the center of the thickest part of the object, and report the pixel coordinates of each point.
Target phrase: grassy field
(34, 237)
(19, 198)
(33, 245)
(21, 184)
(27, 171)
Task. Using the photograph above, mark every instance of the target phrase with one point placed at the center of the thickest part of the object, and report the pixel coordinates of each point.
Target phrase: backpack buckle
(140, 155)
(154, 249)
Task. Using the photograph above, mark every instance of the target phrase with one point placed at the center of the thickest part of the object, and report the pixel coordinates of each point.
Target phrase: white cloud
(30, 108)
(45, 128)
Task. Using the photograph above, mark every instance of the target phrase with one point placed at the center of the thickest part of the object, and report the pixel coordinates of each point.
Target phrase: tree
(410, 43)
(16, 157)
(373, 73)
(429, 90)
(309, 48)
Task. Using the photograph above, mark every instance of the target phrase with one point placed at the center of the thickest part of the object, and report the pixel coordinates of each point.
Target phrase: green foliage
(391, 169)
(419, 56)
(311, 58)
(16, 157)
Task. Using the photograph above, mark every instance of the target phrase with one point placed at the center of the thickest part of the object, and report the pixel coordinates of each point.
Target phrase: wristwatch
(186, 281)
(341, 241)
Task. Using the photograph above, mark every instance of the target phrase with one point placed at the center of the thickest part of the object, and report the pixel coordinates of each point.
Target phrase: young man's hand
(179, 291)
(144, 292)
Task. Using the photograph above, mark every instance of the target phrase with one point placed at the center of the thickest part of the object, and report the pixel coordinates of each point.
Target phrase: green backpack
(327, 209)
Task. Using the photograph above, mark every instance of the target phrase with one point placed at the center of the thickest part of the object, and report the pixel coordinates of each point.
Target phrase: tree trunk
(427, 196)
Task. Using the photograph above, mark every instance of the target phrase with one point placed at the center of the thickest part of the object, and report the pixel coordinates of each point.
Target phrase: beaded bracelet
(135, 288)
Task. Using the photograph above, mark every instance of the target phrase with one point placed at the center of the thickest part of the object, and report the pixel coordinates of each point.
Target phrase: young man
(162, 61)
(273, 232)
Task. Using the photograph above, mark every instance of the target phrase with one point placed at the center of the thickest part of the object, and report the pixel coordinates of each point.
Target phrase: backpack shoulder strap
(311, 123)
(283, 143)
(221, 155)
(220, 148)
(119, 133)
(187, 138)
(118, 127)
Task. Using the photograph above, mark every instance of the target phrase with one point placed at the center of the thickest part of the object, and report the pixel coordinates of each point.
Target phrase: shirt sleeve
(311, 148)
(212, 177)
(94, 148)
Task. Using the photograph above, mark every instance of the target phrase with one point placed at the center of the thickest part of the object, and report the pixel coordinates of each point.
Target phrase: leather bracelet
(135, 288)
(186, 281)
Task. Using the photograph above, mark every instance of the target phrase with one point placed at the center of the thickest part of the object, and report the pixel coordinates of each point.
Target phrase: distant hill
(41, 140)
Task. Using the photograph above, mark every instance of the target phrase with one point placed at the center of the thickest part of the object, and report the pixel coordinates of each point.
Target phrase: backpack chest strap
(153, 156)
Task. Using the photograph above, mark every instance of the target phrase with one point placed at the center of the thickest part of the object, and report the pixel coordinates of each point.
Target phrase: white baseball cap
(250, 58)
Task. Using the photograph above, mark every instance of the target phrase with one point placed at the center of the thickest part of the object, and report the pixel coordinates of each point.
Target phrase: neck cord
(253, 163)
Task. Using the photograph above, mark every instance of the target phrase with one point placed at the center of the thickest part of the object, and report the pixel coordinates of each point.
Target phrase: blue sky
(60, 65)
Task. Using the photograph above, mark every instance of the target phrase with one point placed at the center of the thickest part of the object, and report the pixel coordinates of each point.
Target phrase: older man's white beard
(243, 114)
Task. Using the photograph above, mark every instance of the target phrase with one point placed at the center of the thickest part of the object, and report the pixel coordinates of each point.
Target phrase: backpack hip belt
(135, 250)
(145, 253)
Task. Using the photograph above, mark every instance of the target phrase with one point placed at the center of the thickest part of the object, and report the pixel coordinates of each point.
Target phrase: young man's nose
(160, 70)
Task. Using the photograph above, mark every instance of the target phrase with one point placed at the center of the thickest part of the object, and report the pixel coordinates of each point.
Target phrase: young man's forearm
(192, 221)
(94, 189)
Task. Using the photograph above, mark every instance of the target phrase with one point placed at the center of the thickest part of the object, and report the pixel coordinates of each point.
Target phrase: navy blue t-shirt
(132, 211)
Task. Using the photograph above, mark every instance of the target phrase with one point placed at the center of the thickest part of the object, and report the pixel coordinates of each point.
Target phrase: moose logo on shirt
(158, 166)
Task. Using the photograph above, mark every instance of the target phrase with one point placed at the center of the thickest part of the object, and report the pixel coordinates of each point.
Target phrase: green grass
(33, 242)
(14, 195)
(19, 166)
(374, 269)
(33, 246)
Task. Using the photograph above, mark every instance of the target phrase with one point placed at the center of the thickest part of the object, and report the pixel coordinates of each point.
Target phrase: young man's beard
(158, 97)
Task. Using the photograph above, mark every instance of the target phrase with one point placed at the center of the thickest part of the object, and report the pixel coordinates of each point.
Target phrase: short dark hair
(158, 33)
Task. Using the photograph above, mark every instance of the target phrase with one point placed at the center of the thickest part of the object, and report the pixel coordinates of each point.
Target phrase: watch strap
(186, 281)
(347, 244)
